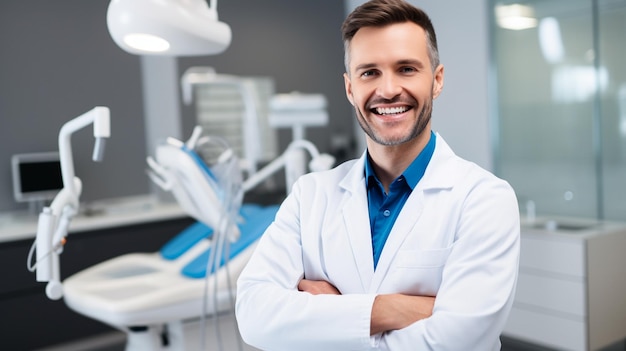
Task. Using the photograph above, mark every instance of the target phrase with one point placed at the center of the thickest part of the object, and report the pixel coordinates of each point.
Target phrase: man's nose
(389, 87)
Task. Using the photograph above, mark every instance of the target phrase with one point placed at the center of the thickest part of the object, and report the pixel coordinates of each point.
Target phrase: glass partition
(611, 36)
(560, 101)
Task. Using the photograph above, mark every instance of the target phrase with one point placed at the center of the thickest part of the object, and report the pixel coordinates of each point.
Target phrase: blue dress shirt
(384, 208)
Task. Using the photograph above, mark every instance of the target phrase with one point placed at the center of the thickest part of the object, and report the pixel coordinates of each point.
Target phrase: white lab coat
(457, 238)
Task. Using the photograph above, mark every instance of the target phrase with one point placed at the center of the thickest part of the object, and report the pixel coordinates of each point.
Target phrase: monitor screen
(36, 176)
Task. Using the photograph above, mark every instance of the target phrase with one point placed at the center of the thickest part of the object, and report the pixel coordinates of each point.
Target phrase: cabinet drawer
(546, 330)
(564, 296)
(553, 255)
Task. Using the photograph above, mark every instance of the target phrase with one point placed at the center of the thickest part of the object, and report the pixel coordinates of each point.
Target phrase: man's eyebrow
(417, 63)
(364, 66)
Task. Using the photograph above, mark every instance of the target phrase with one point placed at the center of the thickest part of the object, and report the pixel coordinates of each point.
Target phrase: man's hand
(397, 311)
(317, 287)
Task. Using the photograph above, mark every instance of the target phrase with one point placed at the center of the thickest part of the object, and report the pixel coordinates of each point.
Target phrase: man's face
(391, 83)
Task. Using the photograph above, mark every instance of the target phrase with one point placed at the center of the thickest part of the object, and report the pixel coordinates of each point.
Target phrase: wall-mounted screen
(36, 176)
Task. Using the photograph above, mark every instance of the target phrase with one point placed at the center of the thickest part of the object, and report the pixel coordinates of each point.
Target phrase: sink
(569, 226)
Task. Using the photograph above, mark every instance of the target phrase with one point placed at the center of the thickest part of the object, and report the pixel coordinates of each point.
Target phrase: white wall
(461, 112)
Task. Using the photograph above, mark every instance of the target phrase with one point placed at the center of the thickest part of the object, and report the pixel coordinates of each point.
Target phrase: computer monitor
(36, 176)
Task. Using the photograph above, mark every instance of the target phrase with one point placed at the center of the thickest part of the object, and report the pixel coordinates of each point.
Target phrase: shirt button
(386, 213)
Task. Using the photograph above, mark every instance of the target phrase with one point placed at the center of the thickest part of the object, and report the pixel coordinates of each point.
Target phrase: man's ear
(438, 81)
(348, 85)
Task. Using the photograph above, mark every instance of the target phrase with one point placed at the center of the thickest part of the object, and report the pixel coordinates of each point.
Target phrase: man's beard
(420, 125)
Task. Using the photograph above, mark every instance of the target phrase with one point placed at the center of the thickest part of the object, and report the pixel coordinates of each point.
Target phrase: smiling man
(408, 247)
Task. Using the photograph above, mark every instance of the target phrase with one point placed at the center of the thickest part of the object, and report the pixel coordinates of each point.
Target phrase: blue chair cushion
(255, 221)
(182, 242)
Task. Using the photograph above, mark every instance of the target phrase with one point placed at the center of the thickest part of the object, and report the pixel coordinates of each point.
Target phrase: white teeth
(391, 110)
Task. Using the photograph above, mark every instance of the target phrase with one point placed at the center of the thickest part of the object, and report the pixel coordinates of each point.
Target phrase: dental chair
(158, 298)
(152, 295)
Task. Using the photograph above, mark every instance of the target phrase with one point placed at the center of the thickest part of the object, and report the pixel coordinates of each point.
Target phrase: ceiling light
(515, 17)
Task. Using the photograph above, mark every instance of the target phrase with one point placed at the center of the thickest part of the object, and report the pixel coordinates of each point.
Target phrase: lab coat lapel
(356, 219)
(407, 220)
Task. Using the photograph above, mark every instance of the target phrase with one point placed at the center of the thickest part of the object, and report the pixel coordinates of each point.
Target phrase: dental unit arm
(54, 221)
(319, 162)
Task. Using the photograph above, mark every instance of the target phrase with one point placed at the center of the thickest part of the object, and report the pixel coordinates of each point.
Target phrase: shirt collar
(413, 173)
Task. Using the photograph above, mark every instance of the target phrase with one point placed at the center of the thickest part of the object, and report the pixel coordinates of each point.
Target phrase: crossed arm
(389, 312)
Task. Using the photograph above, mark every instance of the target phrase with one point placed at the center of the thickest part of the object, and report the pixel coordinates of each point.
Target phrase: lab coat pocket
(418, 272)
(419, 259)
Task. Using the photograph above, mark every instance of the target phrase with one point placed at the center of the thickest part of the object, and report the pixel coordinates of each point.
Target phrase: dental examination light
(54, 220)
(167, 27)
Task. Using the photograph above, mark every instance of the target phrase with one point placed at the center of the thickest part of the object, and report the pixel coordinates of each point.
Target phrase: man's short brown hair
(380, 13)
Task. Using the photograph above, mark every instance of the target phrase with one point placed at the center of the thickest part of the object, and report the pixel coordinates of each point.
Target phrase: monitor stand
(36, 206)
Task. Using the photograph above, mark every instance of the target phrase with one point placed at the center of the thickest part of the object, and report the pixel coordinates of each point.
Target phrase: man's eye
(368, 73)
(407, 69)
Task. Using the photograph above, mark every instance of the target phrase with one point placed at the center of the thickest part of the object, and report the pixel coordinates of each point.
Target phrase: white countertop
(98, 215)
(569, 228)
